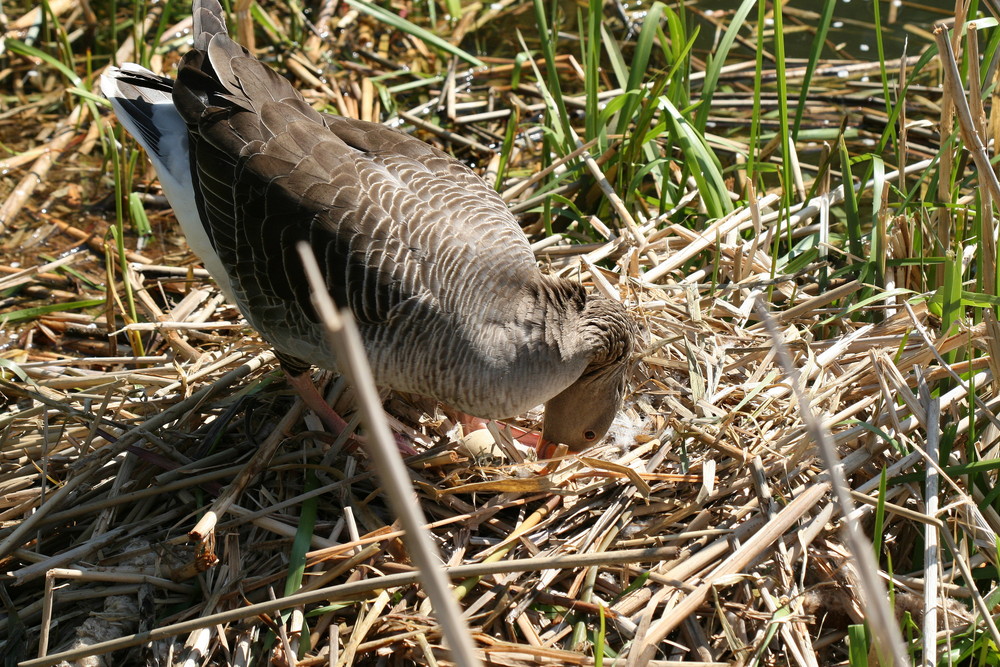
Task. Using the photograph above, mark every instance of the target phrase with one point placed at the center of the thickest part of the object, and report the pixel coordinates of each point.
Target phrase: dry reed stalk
(65, 132)
(346, 340)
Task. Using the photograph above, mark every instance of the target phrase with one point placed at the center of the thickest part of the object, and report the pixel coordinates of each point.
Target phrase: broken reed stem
(953, 81)
(65, 132)
(261, 458)
(465, 587)
(749, 550)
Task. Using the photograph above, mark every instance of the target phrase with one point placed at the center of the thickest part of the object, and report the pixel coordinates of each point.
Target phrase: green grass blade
(644, 46)
(19, 47)
(717, 60)
(815, 51)
(414, 30)
(850, 204)
(970, 469)
(875, 272)
(89, 96)
(704, 164)
(615, 56)
(137, 213)
(952, 311)
(507, 149)
(758, 86)
(880, 47)
(302, 544)
(275, 32)
(8, 366)
(879, 517)
(118, 235)
(640, 61)
(857, 638)
(861, 305)
(592, 74)
(552, 89)
(303, 537)
(599, 641)
(31, 313)
(787, 145)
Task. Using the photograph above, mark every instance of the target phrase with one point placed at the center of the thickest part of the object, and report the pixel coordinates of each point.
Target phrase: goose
(437, 272)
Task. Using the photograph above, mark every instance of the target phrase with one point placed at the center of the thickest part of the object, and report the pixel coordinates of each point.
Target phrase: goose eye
(589, 435)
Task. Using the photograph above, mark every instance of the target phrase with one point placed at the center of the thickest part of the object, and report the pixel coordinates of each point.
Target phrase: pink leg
(303, 384)
(312, 398)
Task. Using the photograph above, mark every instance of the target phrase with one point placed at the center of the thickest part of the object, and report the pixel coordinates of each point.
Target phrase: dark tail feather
(209, 21)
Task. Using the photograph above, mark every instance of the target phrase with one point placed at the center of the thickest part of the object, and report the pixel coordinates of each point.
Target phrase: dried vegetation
(706, 530)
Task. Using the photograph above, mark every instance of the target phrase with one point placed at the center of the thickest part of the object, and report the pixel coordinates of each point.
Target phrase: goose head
(581, 414)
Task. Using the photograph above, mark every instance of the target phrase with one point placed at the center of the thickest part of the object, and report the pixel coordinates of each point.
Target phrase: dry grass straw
(703, 530)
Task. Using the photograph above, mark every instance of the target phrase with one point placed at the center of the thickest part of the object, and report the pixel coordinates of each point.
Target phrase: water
(851, 35)
(852, 31)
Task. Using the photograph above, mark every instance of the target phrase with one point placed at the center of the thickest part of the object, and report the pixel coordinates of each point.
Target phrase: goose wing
(391, 219)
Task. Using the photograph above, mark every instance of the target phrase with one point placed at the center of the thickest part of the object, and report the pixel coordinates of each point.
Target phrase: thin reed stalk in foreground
(885, 631)
(380, 445)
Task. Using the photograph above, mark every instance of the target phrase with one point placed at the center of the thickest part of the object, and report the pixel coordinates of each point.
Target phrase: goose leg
(304, 385)
(297, 372)
(312, 397)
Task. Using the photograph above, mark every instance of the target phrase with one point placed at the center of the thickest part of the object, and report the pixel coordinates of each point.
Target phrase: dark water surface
(852, 33)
